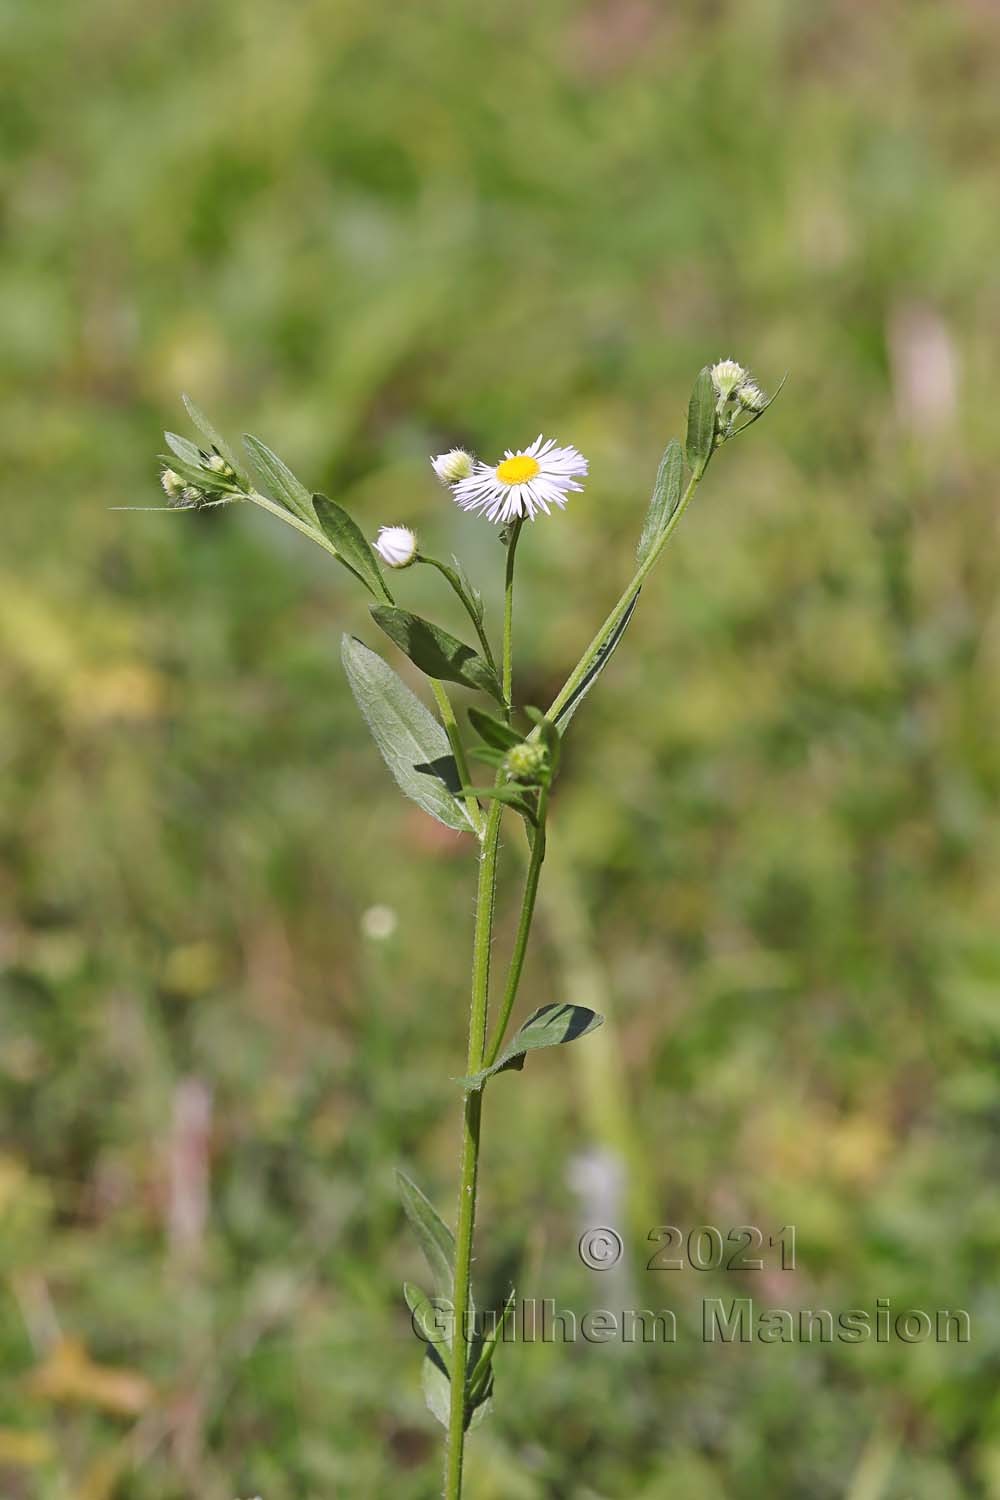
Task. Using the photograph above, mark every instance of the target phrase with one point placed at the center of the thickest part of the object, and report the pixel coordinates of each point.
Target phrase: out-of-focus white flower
(522, 483)
(379, 923)
(726, 376)
(396, 546)
(452, 466)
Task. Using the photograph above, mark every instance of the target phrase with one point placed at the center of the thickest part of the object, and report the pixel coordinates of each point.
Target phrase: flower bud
(396, 546)
(527, 761)
(218, 465)
(751, 397)
(727, 375)
(172, 483)
(452, 466)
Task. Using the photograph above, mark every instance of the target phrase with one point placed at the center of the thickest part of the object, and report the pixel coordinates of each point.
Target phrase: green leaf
(701, 423)
(665, 498)
(480, 1376)
(436, 1239)
(184, 449)
(436, 1386)
(506, 794)
(214, 439)
(493, 731)
(412, 742)
(550, 1026)
(434, 651)
(430, 1315)
(490, 757)
(601, 660)
(353, 550)
(279, 479)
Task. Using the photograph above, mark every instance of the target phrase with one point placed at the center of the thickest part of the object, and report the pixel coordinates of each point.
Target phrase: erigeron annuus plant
(430, 760)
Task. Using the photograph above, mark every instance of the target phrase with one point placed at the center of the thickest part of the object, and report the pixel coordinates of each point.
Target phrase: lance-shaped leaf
(665, 498)
(493, 731)
(412, 742)
(436, 1239)
(550, 1026)
(279, 480)
(436, 1386)
(480, 1380)
(436, 652)
(432, 1320)
(511, 795)
(601, 660)
(184, 449)
(212, 437)
(701, 423)
(353, 550)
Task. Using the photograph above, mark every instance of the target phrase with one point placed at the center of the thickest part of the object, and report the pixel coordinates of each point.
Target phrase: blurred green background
(367, 233)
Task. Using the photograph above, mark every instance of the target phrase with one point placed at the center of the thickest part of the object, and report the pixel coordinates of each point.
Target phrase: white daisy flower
(523, 483)
(396, 546)
(452, 466)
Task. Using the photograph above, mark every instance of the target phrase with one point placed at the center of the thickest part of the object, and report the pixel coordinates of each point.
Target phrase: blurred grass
(366, 233)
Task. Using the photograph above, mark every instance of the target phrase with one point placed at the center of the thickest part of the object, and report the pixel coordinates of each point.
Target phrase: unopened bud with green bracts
(528, 762)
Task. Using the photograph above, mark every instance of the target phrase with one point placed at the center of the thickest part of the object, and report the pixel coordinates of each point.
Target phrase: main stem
(473, 1108)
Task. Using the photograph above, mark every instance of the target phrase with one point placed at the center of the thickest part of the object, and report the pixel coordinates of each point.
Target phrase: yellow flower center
(517, 470)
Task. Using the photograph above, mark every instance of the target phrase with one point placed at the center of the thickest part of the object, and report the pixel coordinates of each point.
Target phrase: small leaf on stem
(701, 423)
(665, 498)
(279, 479)
(353, 548)
(551, 1026)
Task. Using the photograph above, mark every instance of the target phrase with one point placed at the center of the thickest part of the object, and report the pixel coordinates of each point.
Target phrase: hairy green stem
(470, 608)
(473, 1107)
(523, 932)
(508, 617)
(450, 723)
(593, 651)
(469, 1169)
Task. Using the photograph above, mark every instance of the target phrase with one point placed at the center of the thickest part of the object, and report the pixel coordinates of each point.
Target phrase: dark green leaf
(213, 438)
(550, 1026)
(279, 480)
(353, 550)
(509, 795)
(493, 731)
(665, 498)
(603, 657)
(436, 1239)
(434, 651)
(701, 423)
(412, 742)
